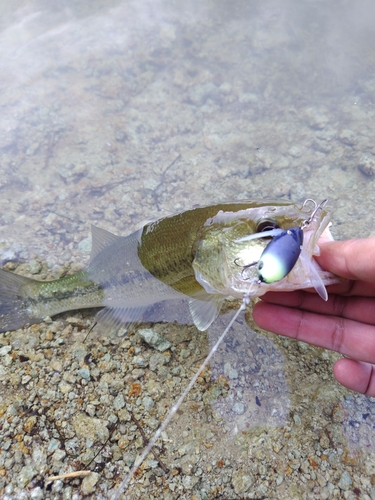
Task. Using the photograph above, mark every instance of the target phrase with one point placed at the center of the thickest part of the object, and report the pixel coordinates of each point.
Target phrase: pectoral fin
(204, 312)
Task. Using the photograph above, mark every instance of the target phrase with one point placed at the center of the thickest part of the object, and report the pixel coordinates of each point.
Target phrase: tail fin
(14, 301)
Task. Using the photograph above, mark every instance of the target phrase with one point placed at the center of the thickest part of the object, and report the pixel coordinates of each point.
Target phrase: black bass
(204, 255)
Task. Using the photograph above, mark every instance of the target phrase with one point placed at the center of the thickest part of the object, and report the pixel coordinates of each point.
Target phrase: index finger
(357, 308)
(346, 336)
(350, 259)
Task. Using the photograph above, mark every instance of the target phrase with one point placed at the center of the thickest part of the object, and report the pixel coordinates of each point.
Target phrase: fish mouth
(226, 260)
(306, 272)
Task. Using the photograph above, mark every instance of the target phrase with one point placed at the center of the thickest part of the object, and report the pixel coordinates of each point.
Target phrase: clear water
(114, 113)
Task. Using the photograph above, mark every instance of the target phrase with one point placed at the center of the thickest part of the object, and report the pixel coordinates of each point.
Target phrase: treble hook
(244, 267)
(317, 207)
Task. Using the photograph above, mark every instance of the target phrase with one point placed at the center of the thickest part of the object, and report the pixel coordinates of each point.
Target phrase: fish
(203, 256)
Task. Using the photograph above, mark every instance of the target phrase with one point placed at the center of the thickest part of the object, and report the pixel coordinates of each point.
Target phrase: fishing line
(124, 484)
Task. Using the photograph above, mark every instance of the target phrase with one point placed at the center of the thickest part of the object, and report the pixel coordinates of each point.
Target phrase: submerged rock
(153, 339)
(367, 165)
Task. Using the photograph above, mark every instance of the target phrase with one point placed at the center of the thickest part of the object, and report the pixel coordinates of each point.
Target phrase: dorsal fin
(100, 240)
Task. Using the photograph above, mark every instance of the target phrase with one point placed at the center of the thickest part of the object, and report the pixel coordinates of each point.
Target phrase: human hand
(345, 323)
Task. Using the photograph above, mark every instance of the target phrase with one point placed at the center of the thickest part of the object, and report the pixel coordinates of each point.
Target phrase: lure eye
(266, 225)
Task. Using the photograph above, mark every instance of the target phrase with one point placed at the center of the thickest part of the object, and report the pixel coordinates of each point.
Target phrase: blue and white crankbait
(281, 254)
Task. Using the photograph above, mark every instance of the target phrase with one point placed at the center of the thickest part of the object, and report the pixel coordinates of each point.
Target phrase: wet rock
(295, 151)
(327, 134)
(239, 408)
(345, 481)
(229, 371)
(88, 427)
(322, 146)
(241, 481)
(119, 402)
(225, 88)
(247, 98)
(348, 137)
(37, 493)
(140, 361)
(39, 457)
(5, 350)
(153, 339)
(84, 373)
(199, 94)
(85, 245)
(367, 165)
(189, 482)
(89, 483)
(25, 476)
(35, 267)
(316, 118)
(148, 403)
(157, 361)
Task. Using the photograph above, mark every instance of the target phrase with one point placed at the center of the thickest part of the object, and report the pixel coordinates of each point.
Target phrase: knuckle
(338, 335)
(339, 303)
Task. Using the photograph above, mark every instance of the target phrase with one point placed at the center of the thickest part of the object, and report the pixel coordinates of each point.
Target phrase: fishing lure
(280, 255)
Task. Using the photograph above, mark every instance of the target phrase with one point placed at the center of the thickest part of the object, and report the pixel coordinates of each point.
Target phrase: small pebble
(5, 350)
(84, 373)
(37, 493)
(25, 476)
(295, 151)
(367, 165)
(239, 408)
(230, 372)
(140, 361)
(89, 483)
(345, 481)
(348, 137)
(241, 481)
(156, 361)
(35, 267)
(148, 403)
(189, 482)
(119, 402)
(153, 339)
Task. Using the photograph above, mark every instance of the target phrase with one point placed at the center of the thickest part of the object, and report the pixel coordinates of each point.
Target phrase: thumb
(350, 259)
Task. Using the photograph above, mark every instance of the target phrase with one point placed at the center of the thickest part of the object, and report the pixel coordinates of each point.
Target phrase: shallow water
(113, 113)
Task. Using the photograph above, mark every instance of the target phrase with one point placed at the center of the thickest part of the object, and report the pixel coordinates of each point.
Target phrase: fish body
(196, 255)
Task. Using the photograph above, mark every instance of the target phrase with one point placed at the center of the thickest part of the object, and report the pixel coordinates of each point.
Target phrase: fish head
(225, 262)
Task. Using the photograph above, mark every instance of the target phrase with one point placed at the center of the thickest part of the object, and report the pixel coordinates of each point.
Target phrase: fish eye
(266, 225)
